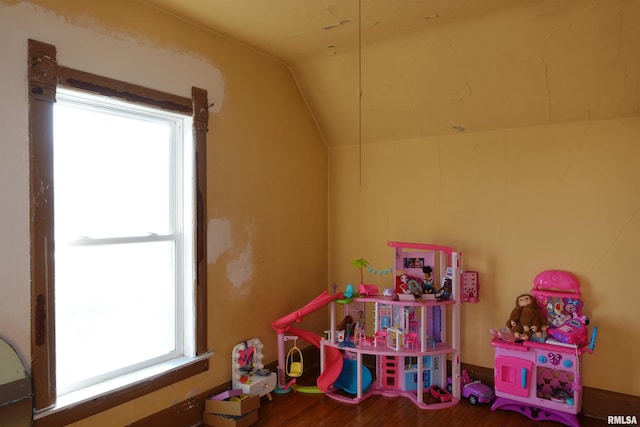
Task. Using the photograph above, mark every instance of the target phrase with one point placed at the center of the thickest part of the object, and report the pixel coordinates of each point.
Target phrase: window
(118, 182)
(123, 232)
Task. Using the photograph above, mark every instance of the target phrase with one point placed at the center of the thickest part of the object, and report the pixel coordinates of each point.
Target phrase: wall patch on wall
(218, 238)
(240, 269)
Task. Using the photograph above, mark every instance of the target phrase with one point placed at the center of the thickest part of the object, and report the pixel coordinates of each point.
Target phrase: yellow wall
(267, 184)
(515, 202)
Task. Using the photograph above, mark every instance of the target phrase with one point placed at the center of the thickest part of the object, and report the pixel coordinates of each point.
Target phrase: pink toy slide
(333, 357)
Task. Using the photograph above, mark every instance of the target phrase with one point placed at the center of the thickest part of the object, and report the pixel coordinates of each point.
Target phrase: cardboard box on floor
(232, 409)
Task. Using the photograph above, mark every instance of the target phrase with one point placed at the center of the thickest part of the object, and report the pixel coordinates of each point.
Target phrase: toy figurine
(411, 286)
(347, 326)
(525, 319)
(556, 314)
(404, 279)
(416, 289)
(359, 321)
(427, 280)
(445, 292)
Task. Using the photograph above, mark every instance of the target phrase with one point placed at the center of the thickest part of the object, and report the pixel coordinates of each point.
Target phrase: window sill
(82, 403)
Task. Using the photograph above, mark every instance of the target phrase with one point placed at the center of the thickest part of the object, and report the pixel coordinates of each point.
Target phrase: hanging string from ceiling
(360, 90)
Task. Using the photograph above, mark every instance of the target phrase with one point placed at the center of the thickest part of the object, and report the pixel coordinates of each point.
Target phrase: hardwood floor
(318, 410)
(300, 409)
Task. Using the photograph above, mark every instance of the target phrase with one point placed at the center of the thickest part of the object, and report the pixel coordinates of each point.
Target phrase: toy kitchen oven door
(541, 378)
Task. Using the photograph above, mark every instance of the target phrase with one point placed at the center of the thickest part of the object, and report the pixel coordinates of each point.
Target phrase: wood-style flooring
(318, 410)
(299, 409)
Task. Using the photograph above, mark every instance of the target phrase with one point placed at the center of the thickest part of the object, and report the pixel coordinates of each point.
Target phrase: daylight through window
(124, 218)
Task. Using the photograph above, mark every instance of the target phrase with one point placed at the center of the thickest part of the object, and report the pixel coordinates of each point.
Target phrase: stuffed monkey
(525, 319)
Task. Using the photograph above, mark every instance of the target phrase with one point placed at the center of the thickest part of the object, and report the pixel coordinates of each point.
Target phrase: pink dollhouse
(408, 339)
(540, 378)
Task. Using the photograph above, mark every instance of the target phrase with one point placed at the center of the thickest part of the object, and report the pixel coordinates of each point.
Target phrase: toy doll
(347, 326)
(427, 280)
(445, 292)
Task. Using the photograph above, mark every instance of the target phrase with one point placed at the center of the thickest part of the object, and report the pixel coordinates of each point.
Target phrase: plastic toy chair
(380, 337)
(294, 362)
(411, 340)
(358, 335)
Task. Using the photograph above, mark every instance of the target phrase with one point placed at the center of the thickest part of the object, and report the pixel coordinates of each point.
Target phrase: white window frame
(180, 232)
(45, 75)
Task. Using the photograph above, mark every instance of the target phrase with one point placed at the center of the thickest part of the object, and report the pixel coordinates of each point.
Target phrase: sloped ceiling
(389, 70)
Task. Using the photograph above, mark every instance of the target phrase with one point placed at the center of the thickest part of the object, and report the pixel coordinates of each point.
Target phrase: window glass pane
(112, 173)
(119, 195)
(115, 307)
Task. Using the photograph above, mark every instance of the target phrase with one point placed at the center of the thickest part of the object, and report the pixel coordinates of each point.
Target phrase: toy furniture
(470, 286)
(247, 370)
(409, 337)
(540, 378)
(294, 361)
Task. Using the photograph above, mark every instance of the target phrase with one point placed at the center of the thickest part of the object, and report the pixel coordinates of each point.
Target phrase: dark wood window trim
(44, 75)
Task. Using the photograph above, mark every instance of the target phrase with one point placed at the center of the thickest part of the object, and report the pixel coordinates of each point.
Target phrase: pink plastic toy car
(440, 394)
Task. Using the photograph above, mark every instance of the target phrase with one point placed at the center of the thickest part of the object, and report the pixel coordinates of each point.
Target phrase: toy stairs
(390, 371)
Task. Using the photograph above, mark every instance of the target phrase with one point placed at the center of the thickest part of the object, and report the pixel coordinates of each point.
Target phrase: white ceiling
(436, 67)
(296, 30)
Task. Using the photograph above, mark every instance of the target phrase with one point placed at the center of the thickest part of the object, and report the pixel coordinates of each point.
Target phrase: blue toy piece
(348, 379)
(348, 293)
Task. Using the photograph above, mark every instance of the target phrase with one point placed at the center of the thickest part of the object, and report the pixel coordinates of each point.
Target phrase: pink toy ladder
(390, 371)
